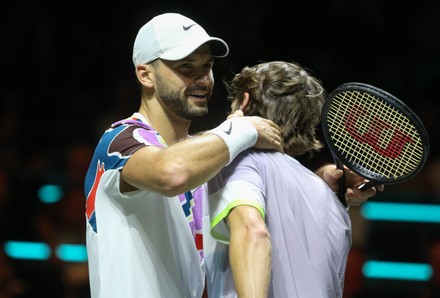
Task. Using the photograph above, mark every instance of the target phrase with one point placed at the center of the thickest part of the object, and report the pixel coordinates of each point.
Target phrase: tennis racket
(374, 134)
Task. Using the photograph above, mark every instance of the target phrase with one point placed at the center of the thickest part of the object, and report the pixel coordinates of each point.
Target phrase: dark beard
(179, 104)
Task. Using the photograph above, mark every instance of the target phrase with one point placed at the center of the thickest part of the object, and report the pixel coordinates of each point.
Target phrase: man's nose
(204, 78)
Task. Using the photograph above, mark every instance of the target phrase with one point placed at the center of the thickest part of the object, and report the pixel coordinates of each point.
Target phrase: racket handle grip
(342, 187)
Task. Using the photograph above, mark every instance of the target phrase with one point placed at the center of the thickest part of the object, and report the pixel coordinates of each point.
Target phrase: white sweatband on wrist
(238, 134)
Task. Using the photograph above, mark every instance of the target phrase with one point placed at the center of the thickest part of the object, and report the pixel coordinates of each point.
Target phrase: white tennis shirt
(139, 244)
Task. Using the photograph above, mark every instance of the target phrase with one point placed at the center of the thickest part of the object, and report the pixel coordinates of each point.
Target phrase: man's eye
(185, 66)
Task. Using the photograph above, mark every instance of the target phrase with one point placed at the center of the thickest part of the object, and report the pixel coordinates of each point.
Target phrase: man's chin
(195, 113)
(199, 113)
(200, 110)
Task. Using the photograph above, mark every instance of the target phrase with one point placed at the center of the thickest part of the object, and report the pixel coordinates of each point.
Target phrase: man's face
(185, 86)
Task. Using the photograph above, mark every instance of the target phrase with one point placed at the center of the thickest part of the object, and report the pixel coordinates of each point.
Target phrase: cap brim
(219, 49)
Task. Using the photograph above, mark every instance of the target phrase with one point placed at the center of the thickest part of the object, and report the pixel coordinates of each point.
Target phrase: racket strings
(371, 138)
(374, 135)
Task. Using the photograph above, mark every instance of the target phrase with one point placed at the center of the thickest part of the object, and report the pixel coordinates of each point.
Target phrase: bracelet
(238, 134)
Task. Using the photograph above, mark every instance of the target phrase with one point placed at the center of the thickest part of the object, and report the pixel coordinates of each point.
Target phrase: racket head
(374, 134)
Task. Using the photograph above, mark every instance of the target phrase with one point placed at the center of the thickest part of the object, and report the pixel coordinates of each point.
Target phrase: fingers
(356, 197)
(330, 174)
(337, 173)
(269, 136)
(274, 127)
(269, 133)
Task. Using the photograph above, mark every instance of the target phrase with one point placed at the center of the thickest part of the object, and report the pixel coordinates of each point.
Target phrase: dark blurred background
(66, 73)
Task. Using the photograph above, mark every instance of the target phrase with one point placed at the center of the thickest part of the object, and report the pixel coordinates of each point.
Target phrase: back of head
(172, 36)
(286, 94)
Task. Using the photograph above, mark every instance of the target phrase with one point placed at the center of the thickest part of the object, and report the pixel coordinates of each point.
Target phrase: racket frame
(374, 178)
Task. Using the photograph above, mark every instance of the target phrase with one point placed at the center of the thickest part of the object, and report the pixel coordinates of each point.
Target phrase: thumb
(237, 113)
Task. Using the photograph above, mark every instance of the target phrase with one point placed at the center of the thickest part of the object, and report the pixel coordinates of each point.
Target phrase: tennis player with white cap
(144, 184)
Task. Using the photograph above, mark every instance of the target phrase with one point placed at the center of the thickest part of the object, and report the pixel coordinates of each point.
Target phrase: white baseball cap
(172, 36)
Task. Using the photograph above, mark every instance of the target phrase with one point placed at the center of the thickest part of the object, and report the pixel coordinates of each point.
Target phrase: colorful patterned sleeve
(114, 149)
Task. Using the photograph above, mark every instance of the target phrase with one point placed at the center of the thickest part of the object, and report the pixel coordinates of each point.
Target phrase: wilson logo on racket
(376, 132)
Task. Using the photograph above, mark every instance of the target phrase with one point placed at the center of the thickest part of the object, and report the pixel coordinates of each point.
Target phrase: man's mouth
(201, 95)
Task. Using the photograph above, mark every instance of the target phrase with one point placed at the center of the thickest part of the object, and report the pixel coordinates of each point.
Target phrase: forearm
(190, 163)
(250, 258)
(177, 168)
(250, 264)
(198, 159)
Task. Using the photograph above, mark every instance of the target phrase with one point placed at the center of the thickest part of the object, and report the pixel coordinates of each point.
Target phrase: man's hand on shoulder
(269, 134)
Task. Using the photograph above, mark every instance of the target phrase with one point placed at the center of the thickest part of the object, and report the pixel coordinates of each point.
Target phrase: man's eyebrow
(189, 59)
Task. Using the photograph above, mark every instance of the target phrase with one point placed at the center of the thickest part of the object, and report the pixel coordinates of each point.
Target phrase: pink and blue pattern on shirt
(191, 201)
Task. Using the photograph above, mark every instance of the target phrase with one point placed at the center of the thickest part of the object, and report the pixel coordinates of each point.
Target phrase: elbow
(261, 234)
(245, 222)
(258, 233)
(259, 238)
(174, 179)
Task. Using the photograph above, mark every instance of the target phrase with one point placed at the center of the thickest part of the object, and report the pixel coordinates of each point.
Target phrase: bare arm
(354, 197)
(176, 169)
(189, 163)
(249, 252)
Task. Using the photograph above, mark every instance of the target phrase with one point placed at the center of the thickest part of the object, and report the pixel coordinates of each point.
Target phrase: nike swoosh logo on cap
(187, 27)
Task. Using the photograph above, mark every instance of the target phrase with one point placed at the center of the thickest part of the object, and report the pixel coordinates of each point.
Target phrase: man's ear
(144, 75)
(244, 105)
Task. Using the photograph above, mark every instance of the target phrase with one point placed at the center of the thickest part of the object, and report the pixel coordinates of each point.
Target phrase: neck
(171, 127)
